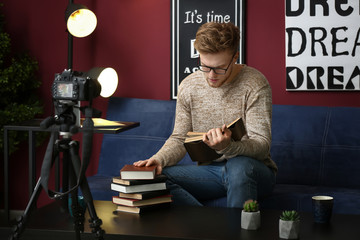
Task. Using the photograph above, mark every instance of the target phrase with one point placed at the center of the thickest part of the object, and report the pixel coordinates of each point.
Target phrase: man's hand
(218, 138)
(149, 162)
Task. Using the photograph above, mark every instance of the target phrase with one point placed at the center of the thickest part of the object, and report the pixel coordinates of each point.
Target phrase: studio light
(108, 79)
(80, 21)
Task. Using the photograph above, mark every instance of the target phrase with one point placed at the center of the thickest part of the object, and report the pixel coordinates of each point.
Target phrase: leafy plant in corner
(251, 206)
(290, 216)
(19, 85)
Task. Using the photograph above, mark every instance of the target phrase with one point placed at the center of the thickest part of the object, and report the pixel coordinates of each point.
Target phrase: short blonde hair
(215, 37)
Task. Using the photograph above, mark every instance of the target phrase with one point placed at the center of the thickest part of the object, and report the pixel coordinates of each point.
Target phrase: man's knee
(240, 167)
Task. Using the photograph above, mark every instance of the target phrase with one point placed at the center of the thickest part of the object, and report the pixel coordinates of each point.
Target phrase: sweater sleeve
(256, 143)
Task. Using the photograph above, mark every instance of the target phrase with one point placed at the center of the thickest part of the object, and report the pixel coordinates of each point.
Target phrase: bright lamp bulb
(81, 23)
(108, 80)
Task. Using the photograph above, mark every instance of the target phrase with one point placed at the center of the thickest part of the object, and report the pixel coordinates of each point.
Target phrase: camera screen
(65, 90)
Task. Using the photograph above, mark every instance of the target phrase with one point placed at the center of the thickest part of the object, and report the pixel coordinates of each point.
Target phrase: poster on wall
(322, 45)
(186, 17)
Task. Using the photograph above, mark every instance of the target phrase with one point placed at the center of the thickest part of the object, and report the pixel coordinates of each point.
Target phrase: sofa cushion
(100, 187)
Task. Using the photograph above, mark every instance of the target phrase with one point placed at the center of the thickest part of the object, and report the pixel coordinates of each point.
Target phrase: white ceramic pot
(289, 229)
(250, 220)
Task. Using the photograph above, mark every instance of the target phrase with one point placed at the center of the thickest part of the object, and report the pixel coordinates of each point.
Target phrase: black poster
(187, 17)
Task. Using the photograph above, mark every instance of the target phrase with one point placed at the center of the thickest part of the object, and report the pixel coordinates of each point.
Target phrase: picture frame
(186, 17)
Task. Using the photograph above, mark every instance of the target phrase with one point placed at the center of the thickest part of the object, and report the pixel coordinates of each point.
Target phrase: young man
(219, 93)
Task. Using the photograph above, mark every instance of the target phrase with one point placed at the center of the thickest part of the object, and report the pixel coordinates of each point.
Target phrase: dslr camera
(74, 86)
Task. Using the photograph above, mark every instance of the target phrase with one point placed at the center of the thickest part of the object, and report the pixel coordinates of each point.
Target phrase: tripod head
(64, 119)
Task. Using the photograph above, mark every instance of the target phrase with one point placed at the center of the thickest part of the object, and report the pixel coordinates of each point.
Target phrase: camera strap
(47, 164)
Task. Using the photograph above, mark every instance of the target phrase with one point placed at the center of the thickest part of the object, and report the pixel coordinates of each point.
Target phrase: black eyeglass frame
(214, 68)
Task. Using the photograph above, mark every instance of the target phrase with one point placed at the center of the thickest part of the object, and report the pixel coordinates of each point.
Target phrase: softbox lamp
(108, 79)
(80, 21)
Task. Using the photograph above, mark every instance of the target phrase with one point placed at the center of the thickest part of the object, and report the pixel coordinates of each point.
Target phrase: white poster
(322, 45)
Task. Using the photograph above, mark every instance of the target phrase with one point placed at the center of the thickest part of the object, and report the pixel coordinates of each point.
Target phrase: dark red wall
(134, 38)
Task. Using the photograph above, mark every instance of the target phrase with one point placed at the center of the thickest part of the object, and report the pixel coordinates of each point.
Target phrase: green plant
(18, 88)
(290, 216)
(251, 206)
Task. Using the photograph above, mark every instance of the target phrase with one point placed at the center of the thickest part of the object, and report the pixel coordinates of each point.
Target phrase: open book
(202, 153)
(103, 123)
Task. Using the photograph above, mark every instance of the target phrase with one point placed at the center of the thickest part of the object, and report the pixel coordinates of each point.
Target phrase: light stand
(80, 22)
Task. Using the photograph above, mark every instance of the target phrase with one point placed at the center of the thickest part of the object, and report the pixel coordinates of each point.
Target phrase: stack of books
(140, 190)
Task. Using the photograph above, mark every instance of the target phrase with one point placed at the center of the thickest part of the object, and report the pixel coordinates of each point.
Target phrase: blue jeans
(239, 178)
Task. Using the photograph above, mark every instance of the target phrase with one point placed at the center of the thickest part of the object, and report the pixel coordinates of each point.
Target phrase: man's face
(222, 60)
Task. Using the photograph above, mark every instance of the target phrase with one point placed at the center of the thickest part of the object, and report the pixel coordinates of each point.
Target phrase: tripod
(73, 170)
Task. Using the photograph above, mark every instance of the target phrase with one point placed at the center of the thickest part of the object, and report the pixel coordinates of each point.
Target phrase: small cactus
(251, 206)
(290, 216)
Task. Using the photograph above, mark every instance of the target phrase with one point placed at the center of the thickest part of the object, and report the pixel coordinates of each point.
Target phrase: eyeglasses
(220, 71)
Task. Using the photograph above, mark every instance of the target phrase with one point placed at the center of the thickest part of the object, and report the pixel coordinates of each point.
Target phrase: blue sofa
(317, 150)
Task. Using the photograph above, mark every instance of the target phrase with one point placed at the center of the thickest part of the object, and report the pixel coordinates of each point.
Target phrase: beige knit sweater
(201, 107)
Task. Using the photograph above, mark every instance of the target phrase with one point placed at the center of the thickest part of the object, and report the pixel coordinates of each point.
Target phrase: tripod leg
(77, 211)
(21, 221)
(95, 221)
(48, 159)
(78, 214)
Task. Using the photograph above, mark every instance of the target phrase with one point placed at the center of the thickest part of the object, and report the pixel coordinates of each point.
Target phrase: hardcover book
(133, 172)
(142, 209)
(201, 152)
(130, 182)
(138, 188)
(137, 203)
(145, 195)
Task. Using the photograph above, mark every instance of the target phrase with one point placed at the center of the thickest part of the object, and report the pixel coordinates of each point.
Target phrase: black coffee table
(184, 223)
(216, 223)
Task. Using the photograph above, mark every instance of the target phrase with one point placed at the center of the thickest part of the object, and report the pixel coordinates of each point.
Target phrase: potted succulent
(250, 215)
(289, 225)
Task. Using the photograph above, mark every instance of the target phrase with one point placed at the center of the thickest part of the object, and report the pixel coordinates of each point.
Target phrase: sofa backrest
(317, 145)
